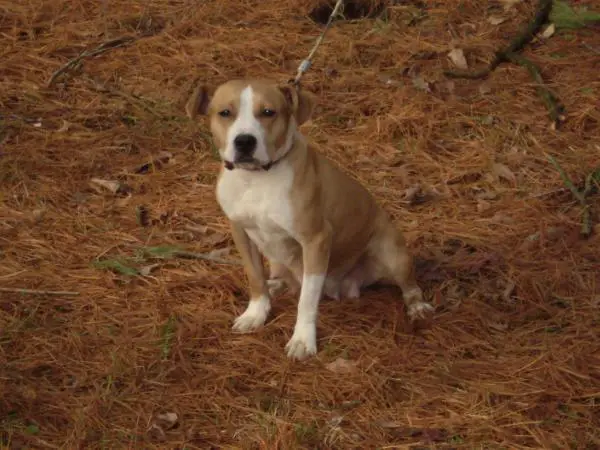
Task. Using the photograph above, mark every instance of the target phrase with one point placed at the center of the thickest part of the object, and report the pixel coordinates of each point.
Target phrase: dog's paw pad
(254, 317)
(420, 310)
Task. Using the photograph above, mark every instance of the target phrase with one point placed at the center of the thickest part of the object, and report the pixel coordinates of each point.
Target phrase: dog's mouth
(247, 163)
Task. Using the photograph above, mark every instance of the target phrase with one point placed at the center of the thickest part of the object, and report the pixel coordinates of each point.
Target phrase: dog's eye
(225, 113)
(267, 112)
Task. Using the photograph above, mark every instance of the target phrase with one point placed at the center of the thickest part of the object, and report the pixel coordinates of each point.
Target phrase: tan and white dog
(320, 230)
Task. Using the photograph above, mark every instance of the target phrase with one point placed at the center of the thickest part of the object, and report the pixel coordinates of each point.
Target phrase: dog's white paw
(303, 342)
(254, 317)
(419, 310)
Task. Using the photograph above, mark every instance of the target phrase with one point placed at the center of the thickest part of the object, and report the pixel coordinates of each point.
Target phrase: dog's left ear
(199, 101)
(301, 102)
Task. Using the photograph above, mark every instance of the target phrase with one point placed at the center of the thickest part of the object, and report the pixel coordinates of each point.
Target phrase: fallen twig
(102, 48)
(592, 49)
(509, 54)
(204, 256)
(521, 40)
(169, 252)
(38, 292)
(555, 109)
(102, 87)
(580, 196)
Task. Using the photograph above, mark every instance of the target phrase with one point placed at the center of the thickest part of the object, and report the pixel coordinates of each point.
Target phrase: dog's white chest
(259, 201)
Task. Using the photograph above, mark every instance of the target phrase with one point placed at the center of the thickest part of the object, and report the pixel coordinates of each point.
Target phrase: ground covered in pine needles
(107, 194)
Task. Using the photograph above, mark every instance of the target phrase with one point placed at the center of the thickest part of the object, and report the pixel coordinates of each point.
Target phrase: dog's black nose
(245, 143)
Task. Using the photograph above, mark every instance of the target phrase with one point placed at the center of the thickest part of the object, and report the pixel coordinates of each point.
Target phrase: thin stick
(38, 292)
(586, 214)
(567, 181)
(205, 256)
(102, 48)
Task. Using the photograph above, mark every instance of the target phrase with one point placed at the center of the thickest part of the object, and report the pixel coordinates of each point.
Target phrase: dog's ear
(301, 102)
(199, 101)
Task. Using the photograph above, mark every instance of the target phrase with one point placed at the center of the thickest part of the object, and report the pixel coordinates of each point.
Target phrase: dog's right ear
(199, 101)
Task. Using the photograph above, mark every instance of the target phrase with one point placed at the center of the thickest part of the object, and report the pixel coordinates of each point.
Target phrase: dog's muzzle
(247, 165)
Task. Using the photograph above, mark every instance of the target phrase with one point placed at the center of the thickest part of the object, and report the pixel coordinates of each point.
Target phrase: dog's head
(253, 123)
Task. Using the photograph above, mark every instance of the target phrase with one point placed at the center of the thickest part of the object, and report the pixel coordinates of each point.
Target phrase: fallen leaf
(142, 215)
(200, 229)
(220, 252)
(503, 172)
(498, 326)
(156, 433)
(486, 195)
(484, 89)
(457, 57)
(502, 219)
(335, 420)
(215, 239)
(411, 193)
(38, 214)
(110, 185)
(496, 20)
(341, 365)
(419, 82)
(65, 127)
(508, 291)
(156, 162)
(167, 420)
(122, 202)
(549, 31)
(467, 177)
(147, 270)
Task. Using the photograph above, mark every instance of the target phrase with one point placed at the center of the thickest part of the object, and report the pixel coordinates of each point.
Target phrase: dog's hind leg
(393, 262)
(280, 278)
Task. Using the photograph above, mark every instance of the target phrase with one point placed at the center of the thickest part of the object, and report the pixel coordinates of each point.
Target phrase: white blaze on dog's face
(252, 122)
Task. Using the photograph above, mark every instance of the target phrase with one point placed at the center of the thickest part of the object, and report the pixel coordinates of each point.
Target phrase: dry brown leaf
(220, 252)
(502, 219)
(121, 202)
(419, 82)
(65, 127)
(411, 193)
(484, 88)
(496, 20)
(498, 326)
(167, 420)
(156, 162)
(215, 239)
(200, 229)
(38, 214)
(110, 185)
(503, 172)
(341, 365)
(156, 433)
(549, 31)
(508, 291)
(147, 270)
(457, 56)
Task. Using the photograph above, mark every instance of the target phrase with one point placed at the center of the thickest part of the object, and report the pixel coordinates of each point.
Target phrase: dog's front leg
(260, 303)
(315, 261)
